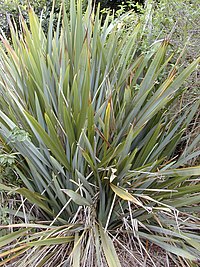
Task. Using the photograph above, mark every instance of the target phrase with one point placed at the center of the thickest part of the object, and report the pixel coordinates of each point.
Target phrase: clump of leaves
(97, 146)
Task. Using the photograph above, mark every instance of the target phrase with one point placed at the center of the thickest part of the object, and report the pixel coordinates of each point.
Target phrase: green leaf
(35, 198)
(7, 239)
(189, 171)
(77, 198)
(55, 148)
(109, 249)
(173, 249)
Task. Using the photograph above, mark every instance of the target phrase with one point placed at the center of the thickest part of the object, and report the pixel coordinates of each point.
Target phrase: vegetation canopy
(87, 118)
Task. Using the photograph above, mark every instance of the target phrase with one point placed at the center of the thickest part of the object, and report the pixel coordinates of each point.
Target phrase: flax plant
(88, 118)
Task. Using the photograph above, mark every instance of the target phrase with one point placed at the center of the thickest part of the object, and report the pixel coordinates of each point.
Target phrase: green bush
(89, 118)
(10, 9)
(179, 20)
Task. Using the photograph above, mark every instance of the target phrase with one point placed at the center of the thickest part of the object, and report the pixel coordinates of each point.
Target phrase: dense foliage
(85, 116)
(10, 9)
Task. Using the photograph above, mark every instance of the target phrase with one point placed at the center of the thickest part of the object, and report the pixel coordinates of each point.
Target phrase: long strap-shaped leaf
(171, 248)
(54, 145)
(4, 240)
(190, 171)
(109, 249)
